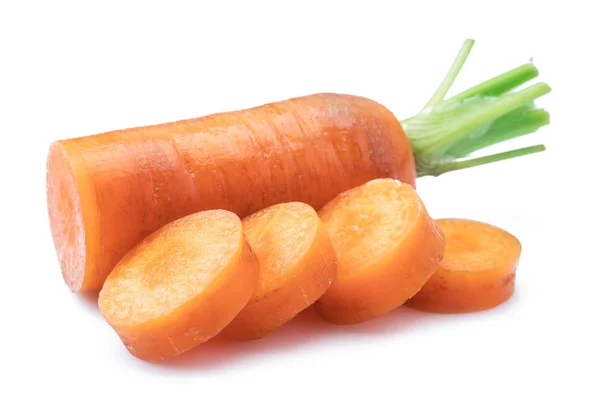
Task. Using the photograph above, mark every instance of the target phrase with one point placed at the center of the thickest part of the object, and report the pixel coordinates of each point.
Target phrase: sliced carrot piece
(477, 272)
(297, 265)
(387, 247)
(181, 285)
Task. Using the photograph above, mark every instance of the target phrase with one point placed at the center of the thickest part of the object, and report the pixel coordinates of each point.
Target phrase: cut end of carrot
(66, 216)
(297, 265)
(477, 272)
(181, 285)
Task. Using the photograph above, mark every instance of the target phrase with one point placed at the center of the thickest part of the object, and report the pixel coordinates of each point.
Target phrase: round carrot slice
(297, 264)
(477, 272)
(181, 285)
(387, 247)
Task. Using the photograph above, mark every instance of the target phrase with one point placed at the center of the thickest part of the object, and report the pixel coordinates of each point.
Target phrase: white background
(69, 69)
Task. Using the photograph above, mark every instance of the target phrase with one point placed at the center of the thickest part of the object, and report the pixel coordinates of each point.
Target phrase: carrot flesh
(128, 183)
(387, 247)
(297, 265)
(67, 215)
(181, 285)
(477, 272)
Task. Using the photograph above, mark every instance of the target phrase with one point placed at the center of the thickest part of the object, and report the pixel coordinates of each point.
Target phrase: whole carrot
(108, 191)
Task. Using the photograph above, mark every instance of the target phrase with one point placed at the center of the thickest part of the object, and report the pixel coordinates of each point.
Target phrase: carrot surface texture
(387, 247)
(106, 192)
(297, 265)
(181, 285)
(477, 272)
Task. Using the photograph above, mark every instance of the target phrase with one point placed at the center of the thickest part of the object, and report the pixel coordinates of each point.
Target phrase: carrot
(297, 265)
(387, 247)
(181, 285)
(106, 192)
(477, 272)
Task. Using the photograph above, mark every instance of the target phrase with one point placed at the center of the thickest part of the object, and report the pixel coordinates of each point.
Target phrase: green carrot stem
(514, 124)
(501, 83)
(489, 113)
(457, 65)
(475, 162)
(459, 128)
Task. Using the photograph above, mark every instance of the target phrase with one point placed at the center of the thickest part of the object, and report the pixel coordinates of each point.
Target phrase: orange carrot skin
(122, 185)
(165, 325)
(459, 287)
(297, 265)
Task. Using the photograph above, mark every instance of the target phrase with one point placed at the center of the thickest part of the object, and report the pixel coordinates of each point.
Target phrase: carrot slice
(477, 272)
(387, 247)
(181, 285)
(297, 265)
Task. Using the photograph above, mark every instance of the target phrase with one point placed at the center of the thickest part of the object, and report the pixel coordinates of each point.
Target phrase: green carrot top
(447, 131)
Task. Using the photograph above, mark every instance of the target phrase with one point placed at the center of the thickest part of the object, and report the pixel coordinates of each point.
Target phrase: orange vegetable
(106, 192)
(181, 285)
(477, 272)
(387, 247)
(297, 265)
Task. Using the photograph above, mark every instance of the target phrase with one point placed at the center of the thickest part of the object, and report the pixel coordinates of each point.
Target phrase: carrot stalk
(486, 114)
(459, 61)
(475, 162)
(500, 84)
(504, 128)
